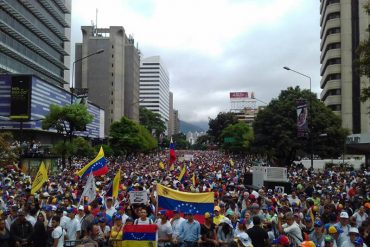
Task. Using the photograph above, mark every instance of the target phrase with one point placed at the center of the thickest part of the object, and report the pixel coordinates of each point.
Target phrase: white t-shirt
(58, 233)
(359, 218)
(72, 227)
(110, 211)
(139, 221)
(294, 232)
(64, 220)
(164, 229)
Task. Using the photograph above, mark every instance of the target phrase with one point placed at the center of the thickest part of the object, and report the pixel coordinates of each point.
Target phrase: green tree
(67, 119)
(240, 136)
(180, 141)
(129, 137)
(201, 142)
(8, 152)
(217, 125)
(275, 129)
(152, 121)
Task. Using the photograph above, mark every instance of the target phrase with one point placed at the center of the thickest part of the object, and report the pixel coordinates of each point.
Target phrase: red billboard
(238, 95)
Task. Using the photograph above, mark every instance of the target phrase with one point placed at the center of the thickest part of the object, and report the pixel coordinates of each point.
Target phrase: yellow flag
(116, 181)
(172, 167)
(231, 162)
(193, 179)
(40, 179)
(161, 165)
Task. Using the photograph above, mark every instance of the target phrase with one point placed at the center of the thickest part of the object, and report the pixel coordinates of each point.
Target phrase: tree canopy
(67, 119)
(152, 121)
(180, 141)
(275, 129)
(128, 137)
(8, 152)
(237, 137)
(217, 125)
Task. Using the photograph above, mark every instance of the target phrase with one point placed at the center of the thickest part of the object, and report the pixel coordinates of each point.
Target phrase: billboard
(238, 95)
(302, 116)
(20, 97)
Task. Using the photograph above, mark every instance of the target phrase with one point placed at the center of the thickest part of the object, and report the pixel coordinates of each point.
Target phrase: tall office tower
(35, 38)
(155, 87)
(170, 116)
(176, 120)
(111, 77)
(344, 25)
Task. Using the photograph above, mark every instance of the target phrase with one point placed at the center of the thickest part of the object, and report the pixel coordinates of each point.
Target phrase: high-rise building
(176, 120)
(111, 77)
(344, 25)
(155, 87)
(170, 116)
(35, 38)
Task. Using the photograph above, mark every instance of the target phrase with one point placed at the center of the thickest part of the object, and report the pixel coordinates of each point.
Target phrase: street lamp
(73, 68)
(310, 110)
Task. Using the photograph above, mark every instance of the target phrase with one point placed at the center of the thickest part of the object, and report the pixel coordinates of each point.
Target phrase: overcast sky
(212, 47)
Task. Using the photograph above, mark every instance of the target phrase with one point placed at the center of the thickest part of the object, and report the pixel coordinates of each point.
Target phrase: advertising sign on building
(20, 97)
(238, 95)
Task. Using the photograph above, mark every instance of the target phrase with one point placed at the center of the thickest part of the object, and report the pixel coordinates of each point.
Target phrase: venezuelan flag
(182, 175)
(97, 166)
(172, 152)
(139, 235)
(198, 203)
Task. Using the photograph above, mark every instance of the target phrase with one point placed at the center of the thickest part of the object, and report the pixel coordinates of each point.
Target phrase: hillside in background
(185, 127)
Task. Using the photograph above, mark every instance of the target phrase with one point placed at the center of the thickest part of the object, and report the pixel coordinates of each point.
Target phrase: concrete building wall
(343, 27)
(132, 81)
(109, 74)
(170, 116)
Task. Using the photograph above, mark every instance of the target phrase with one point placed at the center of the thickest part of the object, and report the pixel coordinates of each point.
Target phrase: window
(335, 107)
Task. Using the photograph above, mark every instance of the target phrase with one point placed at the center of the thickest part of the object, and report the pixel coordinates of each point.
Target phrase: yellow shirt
(217, 219)
(116, 237)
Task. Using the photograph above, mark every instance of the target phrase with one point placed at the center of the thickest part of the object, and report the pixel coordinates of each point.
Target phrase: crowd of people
(324, 208)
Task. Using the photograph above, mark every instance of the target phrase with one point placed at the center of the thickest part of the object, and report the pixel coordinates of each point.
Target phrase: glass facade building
(35, 38)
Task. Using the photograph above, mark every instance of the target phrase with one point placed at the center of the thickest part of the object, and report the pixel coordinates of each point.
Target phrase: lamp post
(73, 69)
(310, 110)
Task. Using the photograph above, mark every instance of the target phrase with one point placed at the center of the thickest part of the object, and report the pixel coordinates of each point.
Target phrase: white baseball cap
(353, 230)
(344, 215)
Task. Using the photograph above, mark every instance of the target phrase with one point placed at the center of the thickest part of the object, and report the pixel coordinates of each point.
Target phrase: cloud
(212, 47)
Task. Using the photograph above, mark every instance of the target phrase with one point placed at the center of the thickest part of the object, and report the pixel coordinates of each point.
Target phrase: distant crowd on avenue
(327, 208)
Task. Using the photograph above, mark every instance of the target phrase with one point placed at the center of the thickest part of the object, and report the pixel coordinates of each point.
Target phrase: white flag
(90, 189)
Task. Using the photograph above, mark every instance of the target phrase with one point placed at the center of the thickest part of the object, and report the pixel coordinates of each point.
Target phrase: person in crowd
(143, 219)
(58, 233)
(208, 232)
(218, 216)
(117, 231)
(225, 232)
(190, 231)
(4, 234)
(39, 235)
(343, 223)
(164, 229)
(360, 216)
(73, 226)
(21, 230)
(257, 234)
(290, 228)
(176, 222)
(317, 236)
